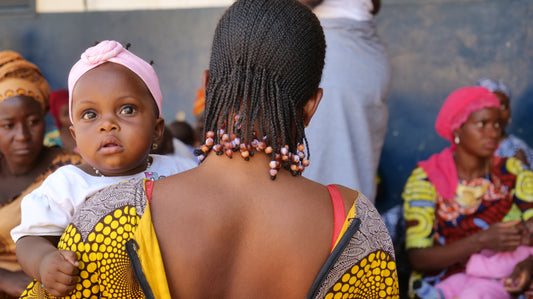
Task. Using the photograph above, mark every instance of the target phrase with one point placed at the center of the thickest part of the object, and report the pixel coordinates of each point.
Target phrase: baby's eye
(127, 110)
(88, 115)
(481, 124)
(497, 125)
(504, 107)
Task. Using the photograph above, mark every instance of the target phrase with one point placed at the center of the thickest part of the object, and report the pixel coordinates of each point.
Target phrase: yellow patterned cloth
(98, 234)
(118, 252)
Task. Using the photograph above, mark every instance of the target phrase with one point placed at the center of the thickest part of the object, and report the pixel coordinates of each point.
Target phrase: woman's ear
(311, 106)
(205, 79)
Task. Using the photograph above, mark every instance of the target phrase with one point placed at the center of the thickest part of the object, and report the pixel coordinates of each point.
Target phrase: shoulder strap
(339, 212)
(148, 186)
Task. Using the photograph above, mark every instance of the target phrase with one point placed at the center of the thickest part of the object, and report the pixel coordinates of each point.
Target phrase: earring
(155, 146)
(456, 140)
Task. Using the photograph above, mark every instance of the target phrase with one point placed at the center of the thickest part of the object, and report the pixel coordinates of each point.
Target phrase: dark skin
(479, 137)
(505, 115)
(25, 158)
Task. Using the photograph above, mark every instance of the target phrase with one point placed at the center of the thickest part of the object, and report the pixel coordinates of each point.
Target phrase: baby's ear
(158, 130)
(72, 132)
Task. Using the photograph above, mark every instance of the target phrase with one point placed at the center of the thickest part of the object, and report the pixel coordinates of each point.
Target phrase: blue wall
(435, 47)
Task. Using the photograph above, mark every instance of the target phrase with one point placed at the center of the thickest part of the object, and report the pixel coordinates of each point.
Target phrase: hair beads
(231, 143)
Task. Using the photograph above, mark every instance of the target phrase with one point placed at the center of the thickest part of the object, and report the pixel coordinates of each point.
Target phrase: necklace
(148, 164)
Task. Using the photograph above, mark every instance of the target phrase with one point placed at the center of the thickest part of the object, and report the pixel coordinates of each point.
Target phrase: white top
(48, 210)
(359, 10)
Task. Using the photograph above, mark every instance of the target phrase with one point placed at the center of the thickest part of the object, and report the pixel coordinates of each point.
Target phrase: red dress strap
(339, 212)
(148, 189)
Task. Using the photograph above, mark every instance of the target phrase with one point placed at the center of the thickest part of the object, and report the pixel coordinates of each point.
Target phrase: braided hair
(266, 63)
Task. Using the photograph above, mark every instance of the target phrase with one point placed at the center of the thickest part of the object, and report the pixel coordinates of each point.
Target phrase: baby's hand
(59, 272)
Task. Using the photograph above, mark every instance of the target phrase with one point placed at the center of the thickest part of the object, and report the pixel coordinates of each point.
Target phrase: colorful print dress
(505, 194)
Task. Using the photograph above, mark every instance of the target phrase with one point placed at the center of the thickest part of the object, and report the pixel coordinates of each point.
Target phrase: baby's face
(114, 119)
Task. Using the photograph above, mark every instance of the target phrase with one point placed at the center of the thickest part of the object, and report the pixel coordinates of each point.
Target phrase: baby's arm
(56, 269)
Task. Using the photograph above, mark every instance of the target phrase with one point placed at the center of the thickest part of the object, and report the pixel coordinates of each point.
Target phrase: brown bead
(305, 162)
(210, 134)
(245, 154)
(294, 167)
(229, 153)
(205, 148)
(268, 150)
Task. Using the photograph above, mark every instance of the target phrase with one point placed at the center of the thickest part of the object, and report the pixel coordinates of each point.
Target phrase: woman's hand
(520, 280)
(13, 283)
(501, 236)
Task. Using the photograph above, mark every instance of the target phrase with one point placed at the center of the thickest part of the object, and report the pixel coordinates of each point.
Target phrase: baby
(115, 109)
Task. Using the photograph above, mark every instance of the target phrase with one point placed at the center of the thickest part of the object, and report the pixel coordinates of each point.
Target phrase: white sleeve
(47, 210)
(168, 165)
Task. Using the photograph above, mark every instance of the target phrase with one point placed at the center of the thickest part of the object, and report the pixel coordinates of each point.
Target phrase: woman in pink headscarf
(464, 199)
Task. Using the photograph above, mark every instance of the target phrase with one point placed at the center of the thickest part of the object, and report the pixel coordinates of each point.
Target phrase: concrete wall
(435, 47)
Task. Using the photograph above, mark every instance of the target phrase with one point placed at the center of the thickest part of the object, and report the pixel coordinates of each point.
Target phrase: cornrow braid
(266, 63)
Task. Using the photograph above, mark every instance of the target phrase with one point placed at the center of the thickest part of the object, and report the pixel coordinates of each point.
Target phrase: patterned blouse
(505, 194)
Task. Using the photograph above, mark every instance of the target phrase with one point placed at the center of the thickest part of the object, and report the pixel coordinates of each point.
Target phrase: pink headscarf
(459, 105)
(440, 167)
(112, 51)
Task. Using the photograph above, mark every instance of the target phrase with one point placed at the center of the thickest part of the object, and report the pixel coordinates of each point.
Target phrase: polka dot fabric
(373, 277)
(104, 267)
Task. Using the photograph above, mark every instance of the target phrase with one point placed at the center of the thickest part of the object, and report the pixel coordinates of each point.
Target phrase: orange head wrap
(21, 77)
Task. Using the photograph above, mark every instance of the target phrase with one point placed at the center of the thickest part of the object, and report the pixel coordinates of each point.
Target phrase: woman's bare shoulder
(348, 195)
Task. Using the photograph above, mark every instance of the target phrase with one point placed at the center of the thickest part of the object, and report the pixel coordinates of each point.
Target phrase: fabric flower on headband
(102, 53)
(113, 51)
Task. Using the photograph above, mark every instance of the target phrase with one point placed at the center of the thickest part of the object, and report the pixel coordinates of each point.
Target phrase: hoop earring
(456, 140)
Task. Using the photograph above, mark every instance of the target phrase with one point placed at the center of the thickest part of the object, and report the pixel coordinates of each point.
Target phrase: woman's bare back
(218, 239)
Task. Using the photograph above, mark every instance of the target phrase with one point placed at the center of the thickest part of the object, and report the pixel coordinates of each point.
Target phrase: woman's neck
(470, 167)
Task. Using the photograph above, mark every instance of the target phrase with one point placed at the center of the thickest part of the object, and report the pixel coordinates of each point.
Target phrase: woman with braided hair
(244, 223)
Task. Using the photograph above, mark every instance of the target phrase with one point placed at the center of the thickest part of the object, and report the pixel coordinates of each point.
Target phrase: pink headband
(112, 51)
(459, 105)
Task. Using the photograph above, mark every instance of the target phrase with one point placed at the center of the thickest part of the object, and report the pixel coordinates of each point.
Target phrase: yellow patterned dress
(120, 258)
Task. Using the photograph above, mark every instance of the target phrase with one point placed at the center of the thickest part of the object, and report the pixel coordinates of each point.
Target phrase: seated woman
(244, 223)
(510, 145)
(464, 199)
(24, 161)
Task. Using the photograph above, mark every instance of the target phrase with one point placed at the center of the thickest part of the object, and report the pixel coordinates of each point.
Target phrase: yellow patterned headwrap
(21, 77)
